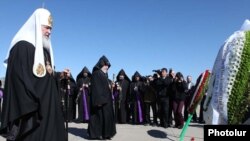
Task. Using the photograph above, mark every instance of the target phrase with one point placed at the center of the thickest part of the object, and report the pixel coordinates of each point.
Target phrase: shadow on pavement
(158, 134)
(79, 132)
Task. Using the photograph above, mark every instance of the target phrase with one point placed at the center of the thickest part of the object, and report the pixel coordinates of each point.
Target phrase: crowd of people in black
(38, 101)
(161, 99)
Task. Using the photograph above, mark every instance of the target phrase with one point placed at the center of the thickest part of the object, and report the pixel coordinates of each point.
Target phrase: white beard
(46, 42)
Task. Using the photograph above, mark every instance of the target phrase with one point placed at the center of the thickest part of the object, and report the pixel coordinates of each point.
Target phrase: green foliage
(239, 98)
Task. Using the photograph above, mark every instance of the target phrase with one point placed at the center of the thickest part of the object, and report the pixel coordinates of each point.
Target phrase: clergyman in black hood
(120, 93)
(102, 123)
(83, 85)
(136, 99)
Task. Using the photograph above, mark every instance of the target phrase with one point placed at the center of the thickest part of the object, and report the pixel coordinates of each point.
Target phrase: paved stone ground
(127, 132)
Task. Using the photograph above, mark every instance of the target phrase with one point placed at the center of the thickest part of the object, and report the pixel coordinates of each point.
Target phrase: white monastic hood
(31, 32)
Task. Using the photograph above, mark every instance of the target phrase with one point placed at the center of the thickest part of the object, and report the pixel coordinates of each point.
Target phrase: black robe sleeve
(100, 91)
(20, 104)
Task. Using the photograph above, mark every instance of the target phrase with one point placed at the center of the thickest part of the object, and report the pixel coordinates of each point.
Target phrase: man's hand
(136, 88)
(85, 85)
(119, 88)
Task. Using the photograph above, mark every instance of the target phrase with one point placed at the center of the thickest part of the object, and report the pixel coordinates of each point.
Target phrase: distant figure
(121, 92)
(102, 122)
(179, 88)
(188, 99)
(68, 92)
(150, 101)
(136, 98)
(171, 75)
(83, 84)
(163, 94)
(31, 102)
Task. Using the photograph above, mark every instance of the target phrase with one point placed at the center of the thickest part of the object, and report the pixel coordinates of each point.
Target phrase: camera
(155, 76)
(157, 71)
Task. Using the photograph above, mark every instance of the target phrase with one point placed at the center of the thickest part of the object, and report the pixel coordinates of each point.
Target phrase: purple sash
(116, 93)
(85, 107)
(139, 107)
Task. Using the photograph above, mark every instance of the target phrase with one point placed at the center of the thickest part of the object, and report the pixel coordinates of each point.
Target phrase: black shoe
(202, 122)
(165, 126)
(180, 127)
(194, 121)
(78, 121)
(107, 138)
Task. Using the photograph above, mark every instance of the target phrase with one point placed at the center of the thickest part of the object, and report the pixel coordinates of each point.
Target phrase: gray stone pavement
(127, 132)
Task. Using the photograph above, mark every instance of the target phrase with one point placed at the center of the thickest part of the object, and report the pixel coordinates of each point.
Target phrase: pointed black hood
(135, 75)
(102, 61)
(122, 72)
(84, 70)
(72, 78)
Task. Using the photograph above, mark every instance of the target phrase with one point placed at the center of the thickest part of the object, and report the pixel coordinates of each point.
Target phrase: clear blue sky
(136, 35)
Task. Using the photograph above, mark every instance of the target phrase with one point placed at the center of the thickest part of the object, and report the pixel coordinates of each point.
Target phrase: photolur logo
(214, 132)
(240, 132)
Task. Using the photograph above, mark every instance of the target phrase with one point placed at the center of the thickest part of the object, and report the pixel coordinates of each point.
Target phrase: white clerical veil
(31, 32)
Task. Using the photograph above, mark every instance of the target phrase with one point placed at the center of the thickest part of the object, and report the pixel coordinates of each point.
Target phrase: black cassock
(102, 123)
(136, 99)
(83, 99)
(83, 95)
(68, 96)
(120, 101)
(121, 97)
(31, 105)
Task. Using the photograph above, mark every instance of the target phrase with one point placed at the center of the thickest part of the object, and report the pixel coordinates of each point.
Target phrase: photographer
(162, 84)
(179, 88)
(150, 101)
(171, 75)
